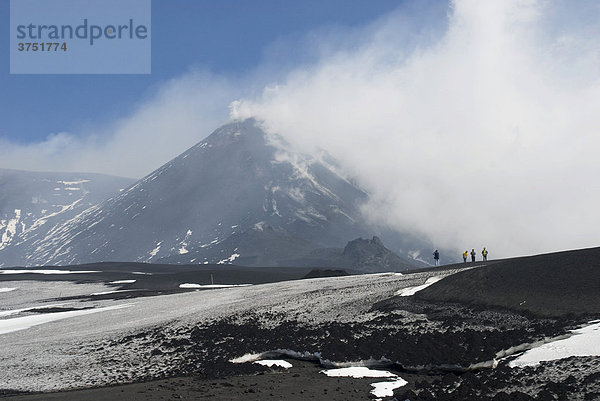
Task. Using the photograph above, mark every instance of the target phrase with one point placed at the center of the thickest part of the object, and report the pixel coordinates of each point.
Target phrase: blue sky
(228, 38)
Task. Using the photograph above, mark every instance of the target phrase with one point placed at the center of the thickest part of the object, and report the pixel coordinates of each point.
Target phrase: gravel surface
(89, 351)
(556, 284)
(181, 345)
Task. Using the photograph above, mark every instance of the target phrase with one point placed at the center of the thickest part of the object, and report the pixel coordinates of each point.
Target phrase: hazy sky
(472, 122)
(201, 41)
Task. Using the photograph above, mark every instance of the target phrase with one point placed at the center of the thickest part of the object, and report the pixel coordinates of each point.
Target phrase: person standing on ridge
(436, 257)
(484, 253)
(465, 256)
(473, 254)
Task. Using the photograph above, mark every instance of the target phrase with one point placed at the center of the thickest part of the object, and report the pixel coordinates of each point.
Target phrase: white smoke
(487, 136)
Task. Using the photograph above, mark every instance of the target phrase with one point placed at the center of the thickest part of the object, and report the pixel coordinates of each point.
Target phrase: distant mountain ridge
(32, 203)
(239, 196)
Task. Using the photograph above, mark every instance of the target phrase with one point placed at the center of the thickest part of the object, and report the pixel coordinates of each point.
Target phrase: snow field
(26, 322)
(274, 362)
(380, 389)
(72, 353)
(406, 292)
(583, 342)
(357, 372)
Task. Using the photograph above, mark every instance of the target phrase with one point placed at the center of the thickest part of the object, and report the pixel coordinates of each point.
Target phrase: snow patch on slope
(71, 183)
(23, 323)
(155, 250)
(183, 246)
(407, 292)
(42, 220)
(11, 229)
(229, 259)
(386, 389)
(357, 372)
(380, 389)
(583, 342)
(275, 362)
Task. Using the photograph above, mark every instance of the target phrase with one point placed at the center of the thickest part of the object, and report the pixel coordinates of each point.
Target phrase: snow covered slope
(32, 204)
(238, 195)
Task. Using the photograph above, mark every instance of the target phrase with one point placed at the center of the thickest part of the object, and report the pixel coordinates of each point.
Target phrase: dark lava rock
(367, 254)
(544, 395)
(57, 309)
(593, 378)
(318, 273)
(449, 380)
(559, 284)
(514, 396)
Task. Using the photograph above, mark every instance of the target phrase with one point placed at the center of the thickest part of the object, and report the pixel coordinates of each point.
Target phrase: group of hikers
(465, 255)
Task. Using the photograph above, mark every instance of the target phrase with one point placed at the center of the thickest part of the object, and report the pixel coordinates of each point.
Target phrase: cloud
(484, 136)
(179, 115)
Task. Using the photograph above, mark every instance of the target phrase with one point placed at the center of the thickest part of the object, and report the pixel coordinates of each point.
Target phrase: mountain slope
(32, 203)
(260, 246)
(239, 196)
(556, 284)
(236, 179)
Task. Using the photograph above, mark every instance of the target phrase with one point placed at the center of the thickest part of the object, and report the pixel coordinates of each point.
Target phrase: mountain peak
(359, 248)
(234, 131)
(365, 254)
(232, 182)
(239, 195)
